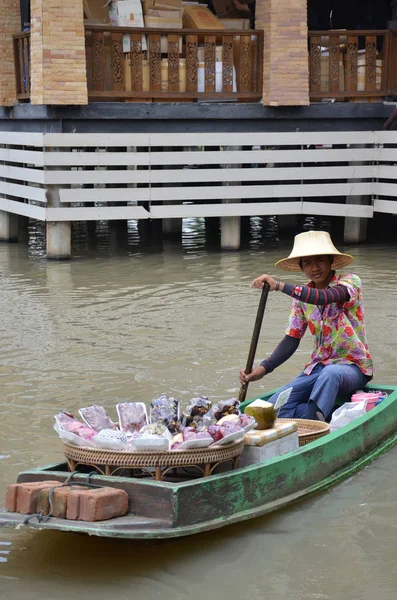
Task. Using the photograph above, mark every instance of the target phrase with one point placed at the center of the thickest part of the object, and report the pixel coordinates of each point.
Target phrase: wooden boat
(164, 509)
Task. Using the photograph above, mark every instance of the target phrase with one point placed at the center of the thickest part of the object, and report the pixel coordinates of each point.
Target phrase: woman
(331, 306)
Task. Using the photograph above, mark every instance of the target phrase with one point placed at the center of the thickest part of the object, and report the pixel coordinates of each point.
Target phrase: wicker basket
(112, 460)
(309, 430)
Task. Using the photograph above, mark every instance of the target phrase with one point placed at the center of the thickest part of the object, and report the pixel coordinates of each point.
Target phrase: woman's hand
(255, 374)
(259, 281)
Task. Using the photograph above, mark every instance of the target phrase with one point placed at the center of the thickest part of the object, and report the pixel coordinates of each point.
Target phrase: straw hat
(313, 243)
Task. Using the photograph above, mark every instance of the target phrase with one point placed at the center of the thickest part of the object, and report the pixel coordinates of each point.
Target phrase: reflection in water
(117, 324)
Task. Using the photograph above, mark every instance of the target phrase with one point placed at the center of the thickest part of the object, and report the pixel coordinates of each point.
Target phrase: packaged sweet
(96, 417)
(155, 429)
(67, 422)
(132, 416)
(111, 439)
(245, 420)
(177, 441)
(217, 432)
(165, 410)
(195, 410)
(226, 407)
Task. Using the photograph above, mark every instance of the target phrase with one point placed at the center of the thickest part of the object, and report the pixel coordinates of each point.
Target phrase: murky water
(126, 324)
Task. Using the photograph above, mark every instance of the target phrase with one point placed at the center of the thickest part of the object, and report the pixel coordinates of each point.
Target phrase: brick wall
(58, 67)
(286, 67)
(10, 22)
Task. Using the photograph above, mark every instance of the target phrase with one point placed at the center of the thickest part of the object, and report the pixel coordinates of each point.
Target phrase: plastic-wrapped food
(195, 410)
(165, 410)
(111, 439)
(226, 407)
(191, 438)
(96, 417)
(177, 441)
(132, 416)
(68, 423)
(155, 429)
(218, 432)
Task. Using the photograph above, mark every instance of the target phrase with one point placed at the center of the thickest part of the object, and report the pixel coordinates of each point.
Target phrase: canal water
(118, 324)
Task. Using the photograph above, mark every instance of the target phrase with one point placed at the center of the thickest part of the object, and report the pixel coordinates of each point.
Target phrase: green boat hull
(167, 510)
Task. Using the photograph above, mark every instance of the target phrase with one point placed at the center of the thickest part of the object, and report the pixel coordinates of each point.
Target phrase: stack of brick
(286, 62)
(57, 49)
(10, 23)
(69, 502)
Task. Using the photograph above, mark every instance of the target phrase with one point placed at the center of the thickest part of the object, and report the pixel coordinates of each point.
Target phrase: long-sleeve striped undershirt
(309, 295)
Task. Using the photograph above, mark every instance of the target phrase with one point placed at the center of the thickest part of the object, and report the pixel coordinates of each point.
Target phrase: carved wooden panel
(173, 63)
(245, 64)
(334, 65)
(98, 63)
(352, 63)
(209, 62)
(154, 41)
(117, 61)
(315, 64)
(136, 62)
(191, 63)
(227, 61)
(370, 63)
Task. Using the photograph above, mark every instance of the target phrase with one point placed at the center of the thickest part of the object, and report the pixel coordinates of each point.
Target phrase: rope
(40, 516)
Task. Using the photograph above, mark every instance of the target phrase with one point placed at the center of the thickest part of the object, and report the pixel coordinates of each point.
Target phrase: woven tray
(309, 430)
(138, 460)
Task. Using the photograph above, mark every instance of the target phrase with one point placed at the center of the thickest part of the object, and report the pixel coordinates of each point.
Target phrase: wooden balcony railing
(352, 64)
(22, 64)
(173, 64)
(186, 64)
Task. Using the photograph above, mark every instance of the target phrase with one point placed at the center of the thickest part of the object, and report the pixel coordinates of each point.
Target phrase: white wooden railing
(69, 177)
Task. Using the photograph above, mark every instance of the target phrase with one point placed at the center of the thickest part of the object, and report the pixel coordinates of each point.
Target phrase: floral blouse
(338, 328)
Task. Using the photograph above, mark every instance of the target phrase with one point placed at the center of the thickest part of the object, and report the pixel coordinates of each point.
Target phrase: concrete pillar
(8, 227)
(10, 23)
(355, 229)
(285, 59)
(57, 50)
(58, 233)
(231, 226)
(59, 236)
(230, 233)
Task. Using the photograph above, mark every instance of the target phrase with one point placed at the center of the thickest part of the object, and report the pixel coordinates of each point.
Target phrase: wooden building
(105, 122)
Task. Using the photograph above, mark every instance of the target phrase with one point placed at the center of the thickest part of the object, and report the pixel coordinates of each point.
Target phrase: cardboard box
(165, 14)
(236, 23)
(200, 17)
(126, 13)
(95, 9)
(166, 4)
(163, 23)
(225, 9)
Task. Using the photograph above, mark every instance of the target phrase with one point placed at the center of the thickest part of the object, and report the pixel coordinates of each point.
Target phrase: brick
(102, 504)
(23, 497)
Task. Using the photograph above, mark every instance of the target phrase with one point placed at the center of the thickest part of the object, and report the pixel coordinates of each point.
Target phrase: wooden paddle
(255, 338)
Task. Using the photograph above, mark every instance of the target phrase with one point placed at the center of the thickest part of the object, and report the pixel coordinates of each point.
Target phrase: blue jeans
(318, 391)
